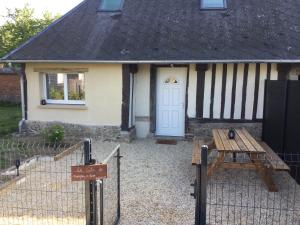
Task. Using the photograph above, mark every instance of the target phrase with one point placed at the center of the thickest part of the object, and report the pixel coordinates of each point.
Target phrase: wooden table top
(243, 142)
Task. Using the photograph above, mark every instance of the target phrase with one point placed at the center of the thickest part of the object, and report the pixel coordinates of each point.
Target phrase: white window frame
(202, 7)
(66, 101)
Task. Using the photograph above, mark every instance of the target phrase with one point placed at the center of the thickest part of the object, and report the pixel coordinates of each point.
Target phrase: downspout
(23, 84)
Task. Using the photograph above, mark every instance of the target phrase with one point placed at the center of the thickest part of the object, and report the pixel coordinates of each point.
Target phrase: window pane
(111, 5)
(55, 86)
(76, 86)
(213, 3)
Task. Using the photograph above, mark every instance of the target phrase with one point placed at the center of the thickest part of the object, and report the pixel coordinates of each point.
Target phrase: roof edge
(156, 61)
(44, 30)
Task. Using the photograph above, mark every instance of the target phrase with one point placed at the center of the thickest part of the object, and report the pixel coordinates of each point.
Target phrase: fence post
(203, 183)
(101, 202)
(200, 188)
(90, 187)
(119, 183)
(197, 194)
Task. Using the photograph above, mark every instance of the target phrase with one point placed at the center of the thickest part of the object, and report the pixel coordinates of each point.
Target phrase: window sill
(63, 106)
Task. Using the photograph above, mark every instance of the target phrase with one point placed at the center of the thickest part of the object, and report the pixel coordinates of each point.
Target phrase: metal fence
(239, 196)
(35, 184)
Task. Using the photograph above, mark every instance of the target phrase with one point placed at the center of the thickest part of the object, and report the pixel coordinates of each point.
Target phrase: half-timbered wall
(233, 91)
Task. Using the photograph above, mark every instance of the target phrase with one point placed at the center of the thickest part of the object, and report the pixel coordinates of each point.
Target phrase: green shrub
(56, 94)
(54, 134)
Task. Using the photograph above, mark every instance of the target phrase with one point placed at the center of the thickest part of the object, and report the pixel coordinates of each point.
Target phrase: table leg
(264, 172)
(234, 156)
(216, 163)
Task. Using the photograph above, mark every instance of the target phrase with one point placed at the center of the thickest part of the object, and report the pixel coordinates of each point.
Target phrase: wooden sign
(89, 172)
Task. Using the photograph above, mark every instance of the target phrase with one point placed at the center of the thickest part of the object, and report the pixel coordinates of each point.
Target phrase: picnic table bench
(261, 157)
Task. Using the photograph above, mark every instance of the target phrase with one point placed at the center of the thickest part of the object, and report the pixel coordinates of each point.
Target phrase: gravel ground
(156, 183)
(155, 189)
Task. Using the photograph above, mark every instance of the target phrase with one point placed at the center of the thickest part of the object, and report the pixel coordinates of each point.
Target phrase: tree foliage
(21, 25)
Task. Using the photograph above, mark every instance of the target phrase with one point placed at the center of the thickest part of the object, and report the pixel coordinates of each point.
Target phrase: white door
(170, 101)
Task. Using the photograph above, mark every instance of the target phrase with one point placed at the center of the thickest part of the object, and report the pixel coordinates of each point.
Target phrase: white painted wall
(192, 91)
(218, 92)
(142, 101)
(239, 91)
(250, 92)
(207, 92)
(228, 92)
(103, 96)
(274, 72)
(295, 72)
(227, 107)
(261, 90)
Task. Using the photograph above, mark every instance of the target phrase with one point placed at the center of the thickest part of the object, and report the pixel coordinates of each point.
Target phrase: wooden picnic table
(242, 143)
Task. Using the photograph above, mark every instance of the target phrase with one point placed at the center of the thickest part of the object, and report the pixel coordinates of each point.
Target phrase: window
(111, 5)
(171, 81)
(64, 88)
(213, 4)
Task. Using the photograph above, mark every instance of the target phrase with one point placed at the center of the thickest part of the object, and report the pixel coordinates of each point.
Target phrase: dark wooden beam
(223, 98)
(125, 97)
(234, 121)
(244, 94)
(283, 70)
(212, 92)
(133, 68)
(256, 89)
(269, 65)
(201, 69)
(153, 78)
(171, 65)
(235, 68)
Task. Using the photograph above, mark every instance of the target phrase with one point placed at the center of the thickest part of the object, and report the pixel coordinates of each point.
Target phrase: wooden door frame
(153, 92)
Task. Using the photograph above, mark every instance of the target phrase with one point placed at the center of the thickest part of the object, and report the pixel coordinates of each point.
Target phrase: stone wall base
(111, 133)
(128, 136)
(204, 130)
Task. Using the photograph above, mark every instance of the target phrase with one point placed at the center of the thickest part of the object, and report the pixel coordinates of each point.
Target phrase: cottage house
(120, 68)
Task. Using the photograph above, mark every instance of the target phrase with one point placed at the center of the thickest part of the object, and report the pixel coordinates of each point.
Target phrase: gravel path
(155, 190)
(156, 183)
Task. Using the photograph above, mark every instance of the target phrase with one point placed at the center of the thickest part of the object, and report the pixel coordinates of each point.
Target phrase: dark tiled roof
(172, 30)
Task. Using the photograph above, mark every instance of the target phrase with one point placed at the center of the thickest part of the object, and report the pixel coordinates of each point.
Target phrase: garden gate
(36, 186)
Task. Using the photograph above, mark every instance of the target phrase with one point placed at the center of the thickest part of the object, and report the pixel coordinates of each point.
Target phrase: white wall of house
(192, 89)
(295, 72)
(142, 101)
(103, 96)
(250, 88)
(142, 92)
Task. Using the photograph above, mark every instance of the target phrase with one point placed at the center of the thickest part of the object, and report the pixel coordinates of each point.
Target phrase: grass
(10, 115)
